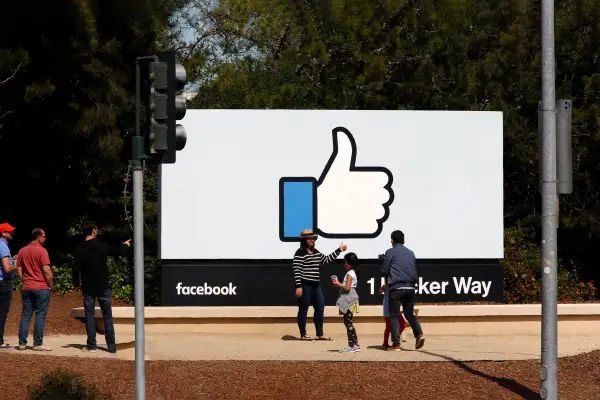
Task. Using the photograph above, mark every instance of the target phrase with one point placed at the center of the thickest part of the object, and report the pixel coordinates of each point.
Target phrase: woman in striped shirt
(307, 279)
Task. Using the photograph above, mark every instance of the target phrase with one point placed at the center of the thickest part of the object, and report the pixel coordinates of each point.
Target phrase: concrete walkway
(253, 347)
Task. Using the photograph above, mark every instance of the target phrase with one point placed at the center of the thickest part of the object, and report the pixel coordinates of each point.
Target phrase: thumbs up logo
(346, 202)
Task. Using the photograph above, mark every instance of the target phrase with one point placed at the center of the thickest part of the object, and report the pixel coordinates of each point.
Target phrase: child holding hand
(348, 299)
(386, 314)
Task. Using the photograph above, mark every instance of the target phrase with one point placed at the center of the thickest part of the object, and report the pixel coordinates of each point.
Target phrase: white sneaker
(88, 350)
(41, 347)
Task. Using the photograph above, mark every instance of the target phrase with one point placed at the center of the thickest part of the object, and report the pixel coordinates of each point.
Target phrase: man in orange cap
(7, 274)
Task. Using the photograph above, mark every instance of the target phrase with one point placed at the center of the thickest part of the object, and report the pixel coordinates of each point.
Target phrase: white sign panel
(248, 181)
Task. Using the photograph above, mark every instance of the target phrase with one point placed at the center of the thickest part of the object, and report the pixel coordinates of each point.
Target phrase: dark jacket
(399, 267)
(90, 265)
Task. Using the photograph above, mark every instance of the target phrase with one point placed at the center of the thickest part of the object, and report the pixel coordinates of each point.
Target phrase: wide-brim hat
(308, 234)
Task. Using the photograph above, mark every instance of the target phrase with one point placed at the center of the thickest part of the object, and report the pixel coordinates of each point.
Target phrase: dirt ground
(579, 376)
(579, 379)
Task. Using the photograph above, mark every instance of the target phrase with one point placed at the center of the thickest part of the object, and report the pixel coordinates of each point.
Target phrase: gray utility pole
(549, 368)
(564, 185)
(138, 238)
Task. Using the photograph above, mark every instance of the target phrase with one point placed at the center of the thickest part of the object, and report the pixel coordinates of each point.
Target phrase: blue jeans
(6, 291)
(34, 301)
(89, 306)
(312, 294)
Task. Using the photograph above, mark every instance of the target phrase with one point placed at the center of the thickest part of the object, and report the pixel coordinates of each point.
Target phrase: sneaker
(22, 347)
(394, 348)
(88, 350)
(41, 347)
(350, 349)
(419, 342)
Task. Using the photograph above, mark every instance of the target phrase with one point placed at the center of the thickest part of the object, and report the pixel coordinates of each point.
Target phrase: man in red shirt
(34, 270)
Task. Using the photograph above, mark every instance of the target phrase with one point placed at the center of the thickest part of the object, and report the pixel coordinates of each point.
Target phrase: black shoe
(419, 341)
(112, 348)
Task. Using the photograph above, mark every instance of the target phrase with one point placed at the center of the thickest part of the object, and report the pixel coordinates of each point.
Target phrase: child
(348, 299)
(386, 315)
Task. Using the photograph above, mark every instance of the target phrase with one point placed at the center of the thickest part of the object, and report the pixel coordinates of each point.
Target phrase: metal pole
(549, 373)
(138, 245)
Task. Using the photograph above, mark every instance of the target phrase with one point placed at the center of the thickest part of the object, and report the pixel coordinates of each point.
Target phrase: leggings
(352, 338)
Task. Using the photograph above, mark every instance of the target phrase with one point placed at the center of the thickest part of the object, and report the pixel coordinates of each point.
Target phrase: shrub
(121, 278)
(62, 280)
(65, 385)
(522, 277)
(120, 274)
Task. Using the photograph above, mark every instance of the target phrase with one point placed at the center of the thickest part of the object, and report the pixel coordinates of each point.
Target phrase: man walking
(7, 275)
(90, 262)
(36, 275)
(399, 267)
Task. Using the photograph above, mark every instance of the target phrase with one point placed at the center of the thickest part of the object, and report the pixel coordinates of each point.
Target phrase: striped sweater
(306, 266)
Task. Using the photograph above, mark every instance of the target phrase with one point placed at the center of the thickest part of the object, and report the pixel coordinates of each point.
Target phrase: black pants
(89, 305)
(6, 291)
(406, 299)
(352, 338)
(312, 294)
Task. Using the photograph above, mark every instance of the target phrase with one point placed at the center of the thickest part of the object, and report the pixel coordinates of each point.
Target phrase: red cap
(6, 227)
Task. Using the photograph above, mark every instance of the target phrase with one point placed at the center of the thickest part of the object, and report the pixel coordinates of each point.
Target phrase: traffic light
(165, 106)
(176, 106)
(157, 142)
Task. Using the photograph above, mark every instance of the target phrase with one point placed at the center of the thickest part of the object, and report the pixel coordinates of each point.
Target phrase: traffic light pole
(169, 138)
(138, 238)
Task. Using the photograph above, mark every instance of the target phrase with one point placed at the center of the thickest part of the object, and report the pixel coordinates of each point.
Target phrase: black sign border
(490, 268)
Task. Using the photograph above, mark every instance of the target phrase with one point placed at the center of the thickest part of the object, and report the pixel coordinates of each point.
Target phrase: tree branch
(12, 76)
(125, 193)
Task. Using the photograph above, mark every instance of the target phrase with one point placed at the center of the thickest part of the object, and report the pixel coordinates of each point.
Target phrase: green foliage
(65, 385)
(120, 275)
(120, 278)
(428, 55)
(67, 107)
(522, 272)
(66, 111)
(62, 280)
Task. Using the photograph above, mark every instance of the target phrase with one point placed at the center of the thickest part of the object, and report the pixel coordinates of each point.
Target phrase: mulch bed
(579, 378)
(59, 320)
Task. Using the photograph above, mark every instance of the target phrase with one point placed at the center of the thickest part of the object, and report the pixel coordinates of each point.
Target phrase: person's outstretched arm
(117, 250)
(326, 259)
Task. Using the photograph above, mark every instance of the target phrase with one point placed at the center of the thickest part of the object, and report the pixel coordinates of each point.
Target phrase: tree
(427, 54)
(66, 141)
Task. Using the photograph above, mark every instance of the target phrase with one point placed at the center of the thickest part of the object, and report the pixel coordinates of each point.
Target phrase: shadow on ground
(509, 384)
(377, 347)
(290, 337)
